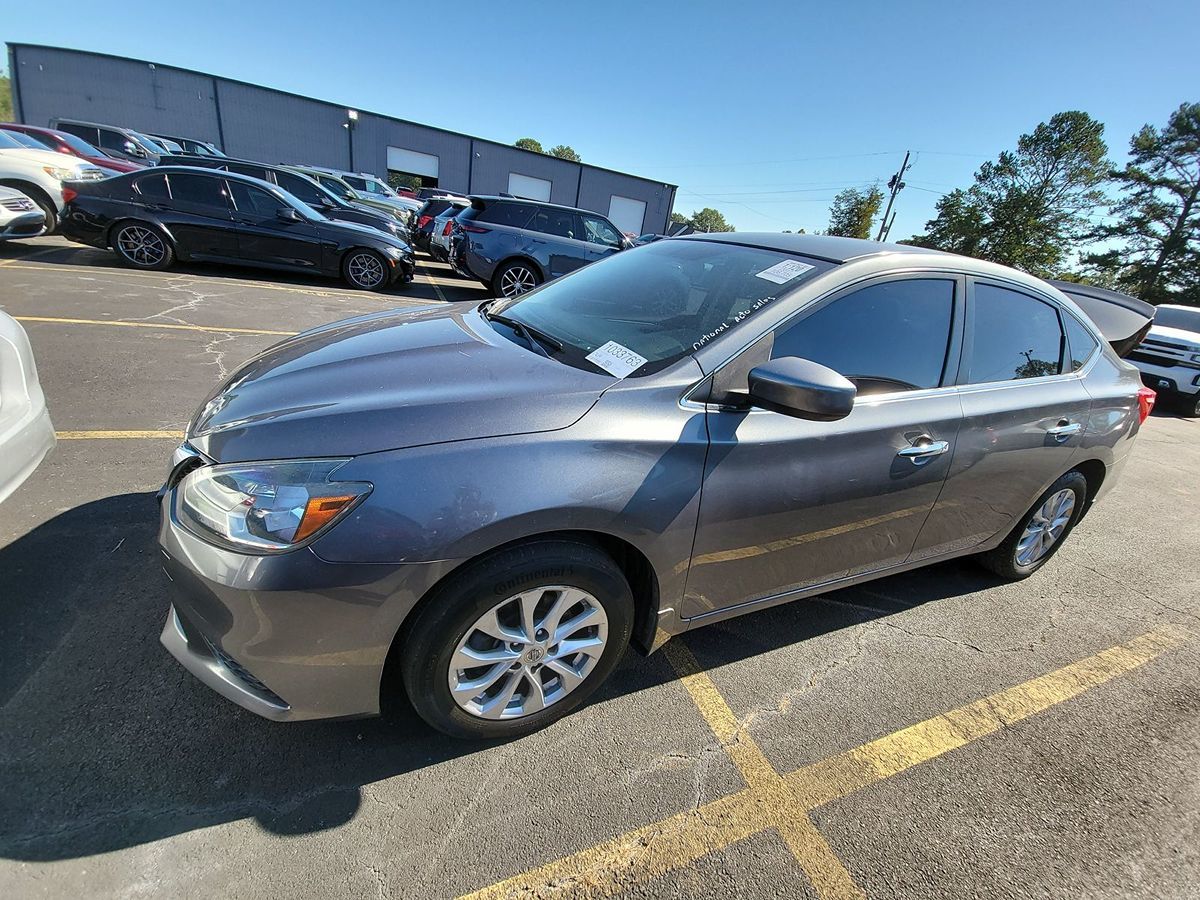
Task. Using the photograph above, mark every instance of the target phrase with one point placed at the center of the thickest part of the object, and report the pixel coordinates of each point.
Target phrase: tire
(553, 577)
(1016, 559)
(365, 270)
(1188, 406)
(142, 246)
(517, 276)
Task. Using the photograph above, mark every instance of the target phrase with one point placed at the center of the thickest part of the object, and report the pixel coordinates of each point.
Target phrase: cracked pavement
(121, 775)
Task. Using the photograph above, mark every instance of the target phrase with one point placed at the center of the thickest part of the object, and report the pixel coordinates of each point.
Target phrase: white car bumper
(22, 448)
(26, 434)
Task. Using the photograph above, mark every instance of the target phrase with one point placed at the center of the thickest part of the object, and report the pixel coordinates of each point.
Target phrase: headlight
(395, 252)
(61, 174)
(1196, 357)
(265, 507)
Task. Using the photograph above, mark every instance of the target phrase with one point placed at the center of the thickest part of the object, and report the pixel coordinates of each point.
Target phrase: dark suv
(514, 245)
(303, 187)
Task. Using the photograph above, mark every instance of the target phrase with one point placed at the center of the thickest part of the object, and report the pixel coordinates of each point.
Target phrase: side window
(112, 140)
(557, 222)
(153, 188)
(1081, 341)
(253, 201)
(337, 187)
(886, 337)
(88, 134)
(200, 192)
(516, 215)
(1015, 336)
(598, 231)
(252, 171)
(357, 183)
(300, 187)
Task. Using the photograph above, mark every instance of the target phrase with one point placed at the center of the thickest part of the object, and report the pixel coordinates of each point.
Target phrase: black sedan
(154, 217)
(303, 188)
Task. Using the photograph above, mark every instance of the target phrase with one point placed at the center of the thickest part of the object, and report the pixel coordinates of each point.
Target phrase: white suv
(1169, 356)
(39, 175)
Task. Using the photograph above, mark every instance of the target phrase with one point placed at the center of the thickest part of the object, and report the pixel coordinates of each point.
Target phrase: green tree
(529, 144)
(1158, 215)
(562, 151)
(1028, 208)
(706, 220)
(853, 211)
(6, 100)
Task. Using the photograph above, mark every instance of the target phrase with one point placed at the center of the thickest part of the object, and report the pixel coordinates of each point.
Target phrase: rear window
(498, 212)
(434, 207)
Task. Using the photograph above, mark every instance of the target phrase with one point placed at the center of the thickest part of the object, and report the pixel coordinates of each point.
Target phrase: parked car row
(40, 176)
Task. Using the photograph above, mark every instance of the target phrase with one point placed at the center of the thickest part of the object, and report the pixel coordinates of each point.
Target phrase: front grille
(1152, 359)
(1158, 343)
(17, 204)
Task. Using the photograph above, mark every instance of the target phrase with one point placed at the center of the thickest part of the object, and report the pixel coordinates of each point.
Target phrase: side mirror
(287, 214)
(801, 388)
(134, 149)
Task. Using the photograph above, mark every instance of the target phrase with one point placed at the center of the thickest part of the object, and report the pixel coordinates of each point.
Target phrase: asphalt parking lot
(937, 733)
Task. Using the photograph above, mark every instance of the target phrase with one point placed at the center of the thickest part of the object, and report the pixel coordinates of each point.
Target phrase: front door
(787, 503)
(266, 239)
(1023, 419)
(557, 239)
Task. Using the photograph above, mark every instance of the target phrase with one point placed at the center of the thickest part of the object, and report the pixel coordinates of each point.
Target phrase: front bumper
(288, 636)
(24, 443)
(26, 225)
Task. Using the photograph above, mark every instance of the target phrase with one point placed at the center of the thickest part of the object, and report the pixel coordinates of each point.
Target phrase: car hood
(388, 381)
(47, 158)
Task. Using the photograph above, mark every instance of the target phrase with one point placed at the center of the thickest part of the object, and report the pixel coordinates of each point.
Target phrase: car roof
(205, 170)
(495, 198)
(822, 246)
(98, 125)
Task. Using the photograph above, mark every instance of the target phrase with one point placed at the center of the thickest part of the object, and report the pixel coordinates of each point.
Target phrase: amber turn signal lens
(319, 512)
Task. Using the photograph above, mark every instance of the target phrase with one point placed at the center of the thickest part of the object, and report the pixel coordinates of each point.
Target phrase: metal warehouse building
(268, 125)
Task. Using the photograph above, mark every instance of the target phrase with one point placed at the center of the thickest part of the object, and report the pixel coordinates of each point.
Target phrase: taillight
(472, 229)
(69, 195)
(423, 221)
(449, 226)
(1146, 398)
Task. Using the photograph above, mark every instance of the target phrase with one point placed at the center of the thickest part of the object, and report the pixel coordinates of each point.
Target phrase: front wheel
(517, 640)
(1041, 531)
(365, 270)
(515, 278)
(1189, 406)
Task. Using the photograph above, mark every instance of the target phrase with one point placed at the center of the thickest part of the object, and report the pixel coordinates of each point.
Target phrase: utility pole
(896, 183)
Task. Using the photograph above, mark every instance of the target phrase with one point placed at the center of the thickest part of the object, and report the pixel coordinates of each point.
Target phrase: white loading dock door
(627, 214)
(529, 188)
(411, 162)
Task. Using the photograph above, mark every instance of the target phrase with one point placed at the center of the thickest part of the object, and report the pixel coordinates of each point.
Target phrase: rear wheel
(517, 640)
(365, 270)
(142, 246)
(1041, 531)
(515, 278)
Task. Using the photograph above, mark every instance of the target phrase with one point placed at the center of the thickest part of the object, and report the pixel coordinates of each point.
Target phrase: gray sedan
(491, 501)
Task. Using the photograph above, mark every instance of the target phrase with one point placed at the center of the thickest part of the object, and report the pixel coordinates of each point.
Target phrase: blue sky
(762, 110)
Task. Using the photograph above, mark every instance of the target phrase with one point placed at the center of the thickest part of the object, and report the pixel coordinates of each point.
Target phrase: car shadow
(108, 743)
(53, 253)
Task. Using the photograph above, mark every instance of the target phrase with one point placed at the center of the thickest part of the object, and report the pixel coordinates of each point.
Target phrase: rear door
(788, 504)
(200, 217)
(1025, 413)
(263, 238)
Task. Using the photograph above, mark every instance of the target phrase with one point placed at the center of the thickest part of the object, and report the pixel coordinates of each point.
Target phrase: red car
(61, 142)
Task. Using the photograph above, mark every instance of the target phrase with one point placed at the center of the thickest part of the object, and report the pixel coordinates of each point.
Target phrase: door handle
(1064, 430)
(923, 450)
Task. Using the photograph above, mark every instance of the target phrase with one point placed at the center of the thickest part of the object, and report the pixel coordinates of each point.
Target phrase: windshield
(152, 145)
(1184, 319)
(8, 142)
(78, 144)
(25, 140)
(663, 301)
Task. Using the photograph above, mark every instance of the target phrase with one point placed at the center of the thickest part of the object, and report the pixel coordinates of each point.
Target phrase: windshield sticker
(616, 360)
(784, 271)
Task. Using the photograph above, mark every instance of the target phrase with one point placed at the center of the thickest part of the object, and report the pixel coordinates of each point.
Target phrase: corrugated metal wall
(273, 126)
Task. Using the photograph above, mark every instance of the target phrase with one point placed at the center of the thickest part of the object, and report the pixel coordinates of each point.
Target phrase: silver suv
(514, 245)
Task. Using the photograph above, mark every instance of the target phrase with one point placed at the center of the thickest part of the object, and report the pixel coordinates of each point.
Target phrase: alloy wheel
(365, 270)
(141, 246)
(528, 652)
(1045, 527)
(516, 281)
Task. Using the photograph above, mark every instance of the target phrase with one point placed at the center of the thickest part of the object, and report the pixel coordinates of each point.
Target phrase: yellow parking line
(661, 847)
(436, 287)
(118, 435)
(54, 320)
(96, 271)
